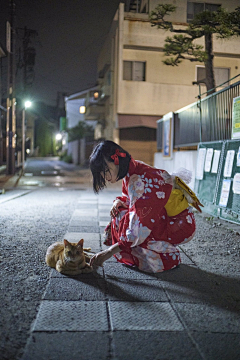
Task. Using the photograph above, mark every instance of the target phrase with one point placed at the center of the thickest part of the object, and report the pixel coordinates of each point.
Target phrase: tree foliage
(45, 139)
(79, 131)
(182, 46)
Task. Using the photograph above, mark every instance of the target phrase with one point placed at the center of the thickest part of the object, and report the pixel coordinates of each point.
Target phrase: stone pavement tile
(87, 200)
(88, 196)
(68, 346)
(97, 273)
(71, 316)
(105, 214)
(107, 197)
(104, 207)
(86, 206)
(154, 345)
(85, 229)
(204, 317)
(135, 290)
(103, 223)
(85, 212)
(208, 292)
(143, 316)
(184, 272)
(82, 222)
(75, 237)
(215, 346)
(80, 288)
(105, 218)
(120, 271)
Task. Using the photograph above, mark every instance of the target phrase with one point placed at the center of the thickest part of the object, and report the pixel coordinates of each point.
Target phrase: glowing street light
(27, 104)
(59, 137)
(82, 109)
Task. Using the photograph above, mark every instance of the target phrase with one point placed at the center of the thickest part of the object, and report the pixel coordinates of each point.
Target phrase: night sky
(70, 36)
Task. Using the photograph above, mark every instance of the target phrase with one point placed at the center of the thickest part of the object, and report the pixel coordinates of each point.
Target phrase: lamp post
(199, 105)
(27, 104)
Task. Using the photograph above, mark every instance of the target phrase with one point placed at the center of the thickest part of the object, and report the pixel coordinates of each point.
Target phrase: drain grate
(72, 316)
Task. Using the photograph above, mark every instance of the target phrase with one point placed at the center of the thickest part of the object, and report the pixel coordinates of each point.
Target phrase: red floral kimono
(146, 235)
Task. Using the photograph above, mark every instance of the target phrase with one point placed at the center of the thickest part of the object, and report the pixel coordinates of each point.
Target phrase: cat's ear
(81, 242)
(66, 243)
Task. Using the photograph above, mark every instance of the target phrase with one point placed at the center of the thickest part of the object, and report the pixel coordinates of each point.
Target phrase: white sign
(236, 183)
(229, 163)
(216, 158)
(200, 163)
(208, 160)
(225, 192)
(238, 157)
(236, 118)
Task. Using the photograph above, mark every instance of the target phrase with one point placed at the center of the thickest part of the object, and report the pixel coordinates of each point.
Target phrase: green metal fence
(218, 178)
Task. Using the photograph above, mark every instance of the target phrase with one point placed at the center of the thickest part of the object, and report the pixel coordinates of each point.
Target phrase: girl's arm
(99, 258)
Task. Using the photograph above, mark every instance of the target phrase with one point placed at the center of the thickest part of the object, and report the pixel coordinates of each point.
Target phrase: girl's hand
(114, 210)
(99, 258)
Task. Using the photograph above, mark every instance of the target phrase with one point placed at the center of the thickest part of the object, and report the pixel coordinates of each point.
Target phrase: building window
(221, 75)
(134, 70)
(194, 8)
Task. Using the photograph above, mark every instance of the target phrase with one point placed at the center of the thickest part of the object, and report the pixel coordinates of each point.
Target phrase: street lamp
(27, 104)
(59, 137)
(82, 109)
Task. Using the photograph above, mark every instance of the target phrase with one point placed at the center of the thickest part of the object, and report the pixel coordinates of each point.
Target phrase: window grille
(194, 8)
(221, 75)
(134, 70)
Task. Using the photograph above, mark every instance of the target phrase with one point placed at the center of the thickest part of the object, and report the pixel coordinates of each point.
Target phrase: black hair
(102, 153)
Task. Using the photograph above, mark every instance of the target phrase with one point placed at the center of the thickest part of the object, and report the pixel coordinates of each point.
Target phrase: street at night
(119, 180)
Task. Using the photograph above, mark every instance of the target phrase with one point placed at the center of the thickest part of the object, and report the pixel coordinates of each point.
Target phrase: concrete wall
(74, 150)
(185, 159)
(139, 97)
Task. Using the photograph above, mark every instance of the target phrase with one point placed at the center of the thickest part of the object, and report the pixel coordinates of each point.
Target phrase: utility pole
(29, 54)
(11, 100)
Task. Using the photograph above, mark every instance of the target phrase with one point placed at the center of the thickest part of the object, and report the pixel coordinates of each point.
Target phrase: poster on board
(200, 163)
(236, 118)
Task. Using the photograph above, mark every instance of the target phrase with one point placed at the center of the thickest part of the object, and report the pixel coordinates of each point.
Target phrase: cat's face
(73, 251)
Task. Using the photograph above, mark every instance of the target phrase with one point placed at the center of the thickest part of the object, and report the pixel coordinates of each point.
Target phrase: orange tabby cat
(68, 258)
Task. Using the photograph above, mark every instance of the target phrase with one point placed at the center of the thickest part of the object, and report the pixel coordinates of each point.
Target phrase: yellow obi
(178, 202)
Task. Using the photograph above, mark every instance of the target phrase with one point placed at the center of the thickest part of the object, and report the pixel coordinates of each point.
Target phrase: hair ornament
(115, 156)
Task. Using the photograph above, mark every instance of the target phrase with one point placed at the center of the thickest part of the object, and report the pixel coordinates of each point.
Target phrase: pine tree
(182, 45)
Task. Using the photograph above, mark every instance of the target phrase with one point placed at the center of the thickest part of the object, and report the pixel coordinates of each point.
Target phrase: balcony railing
(208, 119)
(136, 6)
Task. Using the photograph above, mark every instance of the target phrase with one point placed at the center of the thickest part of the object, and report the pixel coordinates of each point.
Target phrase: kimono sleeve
(148, 194)
(124, 198)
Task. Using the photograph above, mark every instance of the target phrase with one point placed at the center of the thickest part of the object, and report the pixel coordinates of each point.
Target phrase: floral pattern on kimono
(146, 235)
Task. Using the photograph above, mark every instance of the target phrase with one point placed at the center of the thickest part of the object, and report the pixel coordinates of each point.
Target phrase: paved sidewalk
(121, 313)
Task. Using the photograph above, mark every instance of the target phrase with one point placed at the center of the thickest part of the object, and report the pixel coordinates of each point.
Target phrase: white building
(75, 106)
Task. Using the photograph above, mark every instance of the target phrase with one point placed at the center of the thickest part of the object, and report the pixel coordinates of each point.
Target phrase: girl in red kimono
(142, 232)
